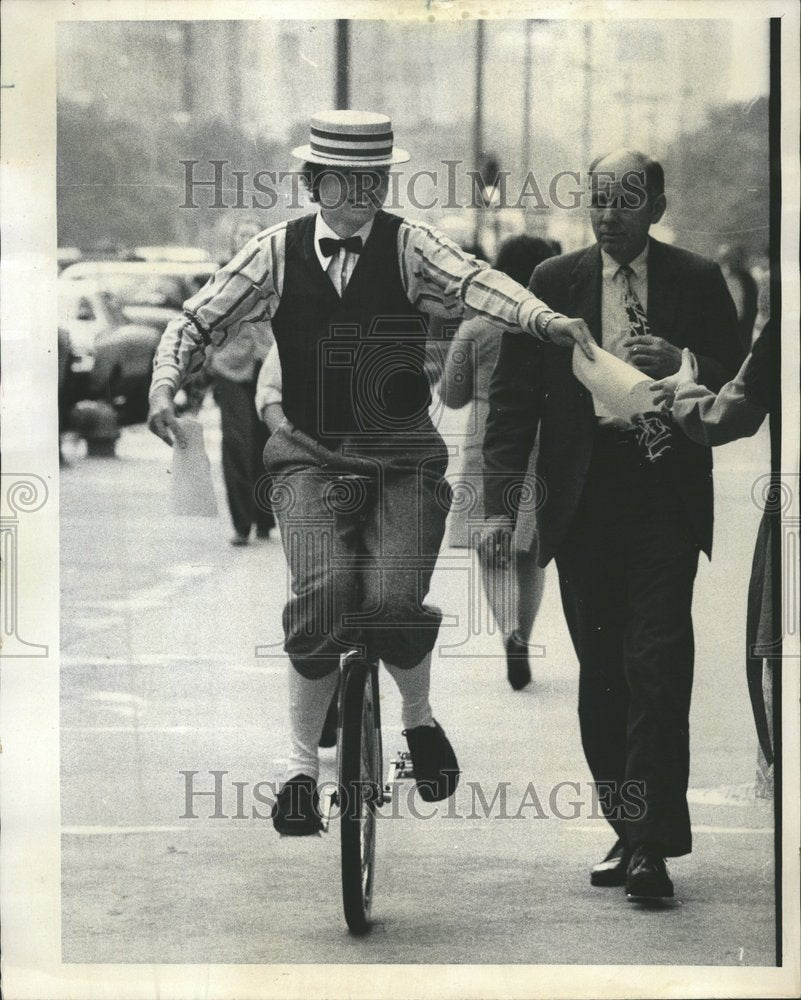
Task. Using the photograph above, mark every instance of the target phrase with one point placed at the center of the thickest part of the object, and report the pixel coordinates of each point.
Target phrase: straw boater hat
(351, 139)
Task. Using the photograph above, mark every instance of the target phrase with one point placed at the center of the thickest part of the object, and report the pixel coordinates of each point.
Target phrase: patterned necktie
(638, 321)
(652, 430)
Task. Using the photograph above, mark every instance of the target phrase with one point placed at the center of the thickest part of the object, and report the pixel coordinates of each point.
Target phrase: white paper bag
(192, 489)
(618, 389)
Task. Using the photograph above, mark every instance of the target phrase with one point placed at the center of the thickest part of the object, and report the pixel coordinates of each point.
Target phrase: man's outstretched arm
(441, 279)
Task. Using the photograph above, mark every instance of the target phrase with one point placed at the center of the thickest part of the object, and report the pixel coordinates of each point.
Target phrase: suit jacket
(533, 386)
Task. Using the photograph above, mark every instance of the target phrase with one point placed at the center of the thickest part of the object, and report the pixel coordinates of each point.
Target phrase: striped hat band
(354, 138)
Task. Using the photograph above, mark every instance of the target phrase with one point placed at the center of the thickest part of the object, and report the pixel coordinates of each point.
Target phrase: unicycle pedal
(328, 801)
(400, 769)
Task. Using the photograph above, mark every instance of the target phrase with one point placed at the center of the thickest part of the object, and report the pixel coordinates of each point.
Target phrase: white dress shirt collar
(610, 266)
(323, 230)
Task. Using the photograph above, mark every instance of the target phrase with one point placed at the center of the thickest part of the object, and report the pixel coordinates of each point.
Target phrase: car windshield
(167, 292)
(91, 306)
(113, 306)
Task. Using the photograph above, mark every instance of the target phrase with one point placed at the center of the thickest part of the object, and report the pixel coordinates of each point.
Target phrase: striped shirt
(438, 277)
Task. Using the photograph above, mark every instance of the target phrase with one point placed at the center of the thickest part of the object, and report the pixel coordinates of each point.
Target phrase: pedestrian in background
(514, 588)
(744, 291)
(234, 369)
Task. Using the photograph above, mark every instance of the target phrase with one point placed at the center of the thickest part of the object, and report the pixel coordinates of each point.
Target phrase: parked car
(110, 358)
(150, 291)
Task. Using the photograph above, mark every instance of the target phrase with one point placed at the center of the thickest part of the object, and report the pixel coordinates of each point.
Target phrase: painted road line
(162, 729)
(701, 828)
(102, 831)
(156, 660)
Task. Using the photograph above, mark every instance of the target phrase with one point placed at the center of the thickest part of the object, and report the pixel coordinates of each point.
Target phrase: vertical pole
(478, 120)
(342, 68)
(526, 116)
(235, 73)
(187, 57)
(586, 117)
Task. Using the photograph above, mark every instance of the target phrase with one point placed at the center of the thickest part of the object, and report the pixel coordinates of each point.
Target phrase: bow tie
(328, 246)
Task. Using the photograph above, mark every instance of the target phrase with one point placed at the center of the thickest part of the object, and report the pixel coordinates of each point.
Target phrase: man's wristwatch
(544, 320)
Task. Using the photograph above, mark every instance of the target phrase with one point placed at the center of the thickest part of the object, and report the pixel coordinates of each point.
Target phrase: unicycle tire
(360, 784)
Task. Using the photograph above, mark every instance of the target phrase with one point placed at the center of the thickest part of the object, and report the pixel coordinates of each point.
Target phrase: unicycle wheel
(360, 784)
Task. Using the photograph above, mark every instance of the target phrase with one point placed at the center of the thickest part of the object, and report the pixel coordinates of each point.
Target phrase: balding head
(627, 190)
(623, 162)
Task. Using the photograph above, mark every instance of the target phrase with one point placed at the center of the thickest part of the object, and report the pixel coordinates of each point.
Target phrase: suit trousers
(360, 551)
(626, 572)
(243, 440)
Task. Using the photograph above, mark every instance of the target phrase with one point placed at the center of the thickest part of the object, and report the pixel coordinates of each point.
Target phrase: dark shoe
(518, 671)
(612, 870)
(240, 539)
(296, 810)
(328, 737)
(647, 876)
(436, 770)
(263, 531)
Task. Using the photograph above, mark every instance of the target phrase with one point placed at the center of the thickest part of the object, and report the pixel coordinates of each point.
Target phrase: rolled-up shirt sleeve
(246, 290)
(442, 279)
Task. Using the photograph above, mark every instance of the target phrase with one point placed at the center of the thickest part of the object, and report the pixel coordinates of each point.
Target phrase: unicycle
(359, 790)
(359, 781)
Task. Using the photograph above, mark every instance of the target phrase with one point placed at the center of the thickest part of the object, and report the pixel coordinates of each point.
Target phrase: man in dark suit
(625, 530)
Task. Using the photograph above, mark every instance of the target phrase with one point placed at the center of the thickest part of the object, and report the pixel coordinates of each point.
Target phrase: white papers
(618, 389)
(192, 489)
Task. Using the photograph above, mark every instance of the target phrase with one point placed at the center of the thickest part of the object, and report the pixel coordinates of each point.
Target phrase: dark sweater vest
(351, 366)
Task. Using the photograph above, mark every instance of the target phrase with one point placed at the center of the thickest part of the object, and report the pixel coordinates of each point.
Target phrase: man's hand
(496, 541)
(162, 420)
(654, 356)
(664, 391)
(565, 332)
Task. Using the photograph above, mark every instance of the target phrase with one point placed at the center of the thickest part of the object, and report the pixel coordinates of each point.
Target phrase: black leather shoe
(647, 876)
(518, 671)
(328, 737)
(434, 763)
(612, 870)
(296, 810)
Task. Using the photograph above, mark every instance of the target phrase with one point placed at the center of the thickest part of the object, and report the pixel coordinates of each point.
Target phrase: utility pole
(187, 61)
(235, 72)
(586, 117)
(478, 121)
(342, 68)
(526, 116)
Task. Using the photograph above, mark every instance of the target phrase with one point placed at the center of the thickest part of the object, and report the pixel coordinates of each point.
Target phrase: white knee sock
(414, 686)
(308, 704)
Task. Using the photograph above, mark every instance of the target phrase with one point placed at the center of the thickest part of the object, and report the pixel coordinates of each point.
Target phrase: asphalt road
(161, 623)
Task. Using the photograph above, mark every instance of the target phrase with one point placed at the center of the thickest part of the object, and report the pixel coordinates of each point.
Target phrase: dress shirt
(438, 277)
(238, 359)
(615, 329)
(340, 267)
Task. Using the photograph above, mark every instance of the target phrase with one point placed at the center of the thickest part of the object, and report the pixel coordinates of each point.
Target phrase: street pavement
(162, 621)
